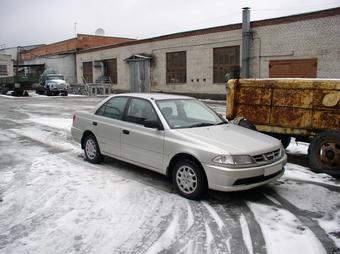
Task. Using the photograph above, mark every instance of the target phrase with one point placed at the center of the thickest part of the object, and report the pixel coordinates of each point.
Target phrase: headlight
(282, 151)
(233, 160)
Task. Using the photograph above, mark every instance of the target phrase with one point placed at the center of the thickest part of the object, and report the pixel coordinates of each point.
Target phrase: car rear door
(107, 125)
(138, 143)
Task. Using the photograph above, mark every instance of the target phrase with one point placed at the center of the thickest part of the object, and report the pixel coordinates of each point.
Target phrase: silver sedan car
(182, 138)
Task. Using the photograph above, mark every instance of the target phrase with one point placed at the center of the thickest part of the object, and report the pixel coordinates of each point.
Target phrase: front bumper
(237, 179)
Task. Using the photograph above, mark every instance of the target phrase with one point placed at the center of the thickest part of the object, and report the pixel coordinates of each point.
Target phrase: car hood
(230, 139)
(57, 81)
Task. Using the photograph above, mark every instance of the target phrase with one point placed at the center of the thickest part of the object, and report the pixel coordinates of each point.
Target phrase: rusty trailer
(307, 109)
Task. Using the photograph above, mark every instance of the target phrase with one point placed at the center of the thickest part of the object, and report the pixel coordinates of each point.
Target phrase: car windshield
(188, 113)
(55, 77)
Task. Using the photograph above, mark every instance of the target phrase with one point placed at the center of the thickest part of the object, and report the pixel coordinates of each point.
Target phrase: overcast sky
(27, 22)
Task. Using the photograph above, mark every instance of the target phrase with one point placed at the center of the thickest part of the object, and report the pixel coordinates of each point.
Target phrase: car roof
(155, 96)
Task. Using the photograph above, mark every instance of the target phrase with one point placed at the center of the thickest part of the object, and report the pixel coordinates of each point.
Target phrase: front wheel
(189, 179)
(92, 151)
(324, 153)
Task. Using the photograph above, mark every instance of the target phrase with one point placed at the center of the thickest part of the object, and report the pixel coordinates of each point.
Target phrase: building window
(110, 69)
(176, 67)
(226, 59)
(3, 70)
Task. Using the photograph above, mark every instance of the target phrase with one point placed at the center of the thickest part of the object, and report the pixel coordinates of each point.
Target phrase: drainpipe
(246, 34)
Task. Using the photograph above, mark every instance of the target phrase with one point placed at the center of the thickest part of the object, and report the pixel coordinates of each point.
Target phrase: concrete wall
(314, 38)
(7, 60)
(10, 51)
(199, 62)
(64, 64)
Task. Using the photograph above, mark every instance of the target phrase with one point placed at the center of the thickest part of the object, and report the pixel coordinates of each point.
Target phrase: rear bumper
(76, 134)
(237, 179)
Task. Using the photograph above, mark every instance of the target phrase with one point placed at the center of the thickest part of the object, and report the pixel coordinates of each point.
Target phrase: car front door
(138, 143)
(107, 125)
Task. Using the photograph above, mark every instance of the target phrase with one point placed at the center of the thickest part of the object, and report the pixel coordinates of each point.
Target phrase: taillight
(73, 118)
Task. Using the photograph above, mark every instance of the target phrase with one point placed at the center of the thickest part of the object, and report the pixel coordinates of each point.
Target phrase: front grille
(267, 158)
(255, 179)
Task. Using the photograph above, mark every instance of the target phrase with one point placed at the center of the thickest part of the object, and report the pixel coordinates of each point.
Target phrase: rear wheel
(324, 153)
(188, 179)
(92, 151)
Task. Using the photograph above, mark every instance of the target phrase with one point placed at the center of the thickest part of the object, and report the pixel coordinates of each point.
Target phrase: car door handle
(126, 132)
(94, 123)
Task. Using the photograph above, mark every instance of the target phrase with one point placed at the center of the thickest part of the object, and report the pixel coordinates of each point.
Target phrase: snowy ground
(52, 201)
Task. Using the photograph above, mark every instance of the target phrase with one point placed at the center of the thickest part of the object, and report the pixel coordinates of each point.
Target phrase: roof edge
(257, 23)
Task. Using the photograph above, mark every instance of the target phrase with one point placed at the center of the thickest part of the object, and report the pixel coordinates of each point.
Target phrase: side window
(139, 111)
(113, 108)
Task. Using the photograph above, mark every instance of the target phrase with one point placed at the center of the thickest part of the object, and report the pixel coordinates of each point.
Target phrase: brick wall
(295, 38)
(81, 42)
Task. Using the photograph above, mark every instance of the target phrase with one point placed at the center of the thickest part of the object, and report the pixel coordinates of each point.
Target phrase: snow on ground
(51, 200)
(297, 147)
(278, 224)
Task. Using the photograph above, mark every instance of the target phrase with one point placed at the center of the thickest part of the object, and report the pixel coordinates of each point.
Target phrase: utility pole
(75, 29)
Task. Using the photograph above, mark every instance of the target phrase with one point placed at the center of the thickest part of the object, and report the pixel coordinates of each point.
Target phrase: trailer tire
(324, 153)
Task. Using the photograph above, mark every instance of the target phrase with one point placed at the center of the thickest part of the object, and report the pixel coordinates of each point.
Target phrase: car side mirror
(152, 124)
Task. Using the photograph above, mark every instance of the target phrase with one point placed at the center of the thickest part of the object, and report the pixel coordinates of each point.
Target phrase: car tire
(189, 179)
(324, 153)
(92, 151)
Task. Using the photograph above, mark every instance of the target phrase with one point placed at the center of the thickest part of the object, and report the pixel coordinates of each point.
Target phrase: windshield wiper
(200, 125)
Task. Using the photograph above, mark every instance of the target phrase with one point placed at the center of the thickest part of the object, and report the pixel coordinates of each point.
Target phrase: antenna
(100, 32)
(75, 29)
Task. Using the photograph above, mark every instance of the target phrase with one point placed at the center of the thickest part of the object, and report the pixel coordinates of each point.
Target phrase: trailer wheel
(324, 153)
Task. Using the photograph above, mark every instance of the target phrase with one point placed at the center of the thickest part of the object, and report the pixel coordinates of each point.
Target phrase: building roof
(70, 46)
(225, 28)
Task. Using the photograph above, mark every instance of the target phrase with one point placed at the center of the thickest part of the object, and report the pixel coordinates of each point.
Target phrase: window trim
(174, 128)
(129, 98)
(225, 65)
(3, 72)
(104, 104)
(167, 81)
(128, 105)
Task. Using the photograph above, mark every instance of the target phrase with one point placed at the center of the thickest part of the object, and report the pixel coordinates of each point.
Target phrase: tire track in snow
(310, 223)
(234, 207)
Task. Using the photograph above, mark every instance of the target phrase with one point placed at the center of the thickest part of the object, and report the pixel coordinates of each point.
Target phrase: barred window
(176, 67)
(226, 59)
(3, 70)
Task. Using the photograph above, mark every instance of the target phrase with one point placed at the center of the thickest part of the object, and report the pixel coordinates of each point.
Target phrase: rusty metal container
(307, 109)
(287, 106)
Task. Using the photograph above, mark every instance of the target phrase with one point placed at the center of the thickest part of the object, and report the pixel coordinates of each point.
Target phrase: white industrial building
(195, 62)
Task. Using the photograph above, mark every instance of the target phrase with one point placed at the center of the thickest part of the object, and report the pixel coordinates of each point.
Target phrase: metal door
(297, 68)
(88, 71)
(140, 75)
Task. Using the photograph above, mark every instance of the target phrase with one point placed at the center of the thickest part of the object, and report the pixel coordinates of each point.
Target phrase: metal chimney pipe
(245, 42)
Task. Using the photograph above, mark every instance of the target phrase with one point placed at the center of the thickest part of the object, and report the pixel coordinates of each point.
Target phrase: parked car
(53, 84)
(182, 138)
